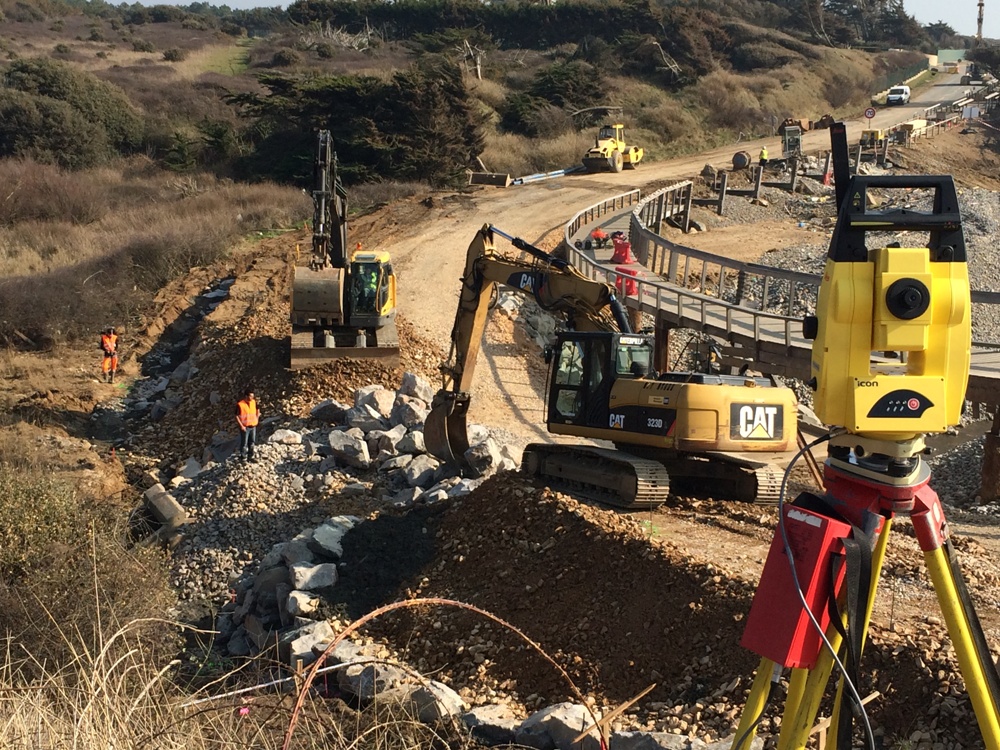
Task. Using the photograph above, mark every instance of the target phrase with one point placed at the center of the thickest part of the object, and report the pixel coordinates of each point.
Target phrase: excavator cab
(585, 366)
(372, 292)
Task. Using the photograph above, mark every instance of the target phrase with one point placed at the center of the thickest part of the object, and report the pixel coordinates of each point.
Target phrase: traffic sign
(870, 112)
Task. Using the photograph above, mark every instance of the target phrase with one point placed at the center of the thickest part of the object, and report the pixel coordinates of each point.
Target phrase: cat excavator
(704, 433)
(342, 306)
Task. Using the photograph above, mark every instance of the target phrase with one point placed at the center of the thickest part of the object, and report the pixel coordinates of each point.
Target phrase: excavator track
(724, 476)
(610, 477)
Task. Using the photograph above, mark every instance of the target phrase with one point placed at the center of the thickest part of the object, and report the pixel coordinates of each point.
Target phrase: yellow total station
(892, 327)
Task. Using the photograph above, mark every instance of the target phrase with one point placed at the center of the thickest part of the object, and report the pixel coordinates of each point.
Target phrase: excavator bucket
(445, 431)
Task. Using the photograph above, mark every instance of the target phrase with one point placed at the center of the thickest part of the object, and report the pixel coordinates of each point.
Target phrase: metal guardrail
(694, 308)
(721, 301)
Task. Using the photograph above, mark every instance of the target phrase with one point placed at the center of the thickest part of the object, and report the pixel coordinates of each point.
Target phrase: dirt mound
(619, 610)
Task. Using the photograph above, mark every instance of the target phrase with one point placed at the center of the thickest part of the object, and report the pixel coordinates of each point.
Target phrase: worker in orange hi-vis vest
(109, 345)
(247, 415)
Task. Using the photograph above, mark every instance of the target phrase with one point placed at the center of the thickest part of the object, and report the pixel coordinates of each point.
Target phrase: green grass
(230, 61)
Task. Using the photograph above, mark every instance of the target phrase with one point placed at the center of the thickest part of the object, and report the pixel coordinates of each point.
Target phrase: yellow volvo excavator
(341, 307)
(703, 432)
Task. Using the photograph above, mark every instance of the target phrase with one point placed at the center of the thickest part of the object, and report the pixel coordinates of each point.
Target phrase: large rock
(301, 603)
(420, 472)
(380, 400)
(296, 552)
(306, 577)
(361, 393)
(364, 418)
(303, 643)
(266, 585)
(408, 411)
(365, 681)
(286, 437)
(491, 725)
(415, 386)
(349, 449)
(562, 722)
(329, 535)
(385, 441)
(397, 462)
(436, 701)
(483, 458)
(329, 411)
(190, 469)
(412, 442)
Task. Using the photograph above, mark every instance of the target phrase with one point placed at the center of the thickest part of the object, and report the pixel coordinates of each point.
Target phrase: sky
(959, 14)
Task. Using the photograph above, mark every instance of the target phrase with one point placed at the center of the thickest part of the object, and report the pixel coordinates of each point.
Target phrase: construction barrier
(623, 251)
(626, 287)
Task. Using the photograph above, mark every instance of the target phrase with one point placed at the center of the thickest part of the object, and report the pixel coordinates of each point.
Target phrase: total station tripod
(890, 364)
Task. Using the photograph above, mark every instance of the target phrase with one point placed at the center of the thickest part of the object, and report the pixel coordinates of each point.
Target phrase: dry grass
(80, 249)
(519, 155)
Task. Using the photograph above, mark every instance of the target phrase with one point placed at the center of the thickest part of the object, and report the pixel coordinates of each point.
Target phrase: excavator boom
(553, 283)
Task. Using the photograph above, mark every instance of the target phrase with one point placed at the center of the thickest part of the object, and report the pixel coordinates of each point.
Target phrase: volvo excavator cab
(373, 287)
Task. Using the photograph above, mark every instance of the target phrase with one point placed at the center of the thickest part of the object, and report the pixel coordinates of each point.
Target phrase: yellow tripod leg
(795, 732)
(961, 637)
(756, 701)
(796, 725)
(878, 558)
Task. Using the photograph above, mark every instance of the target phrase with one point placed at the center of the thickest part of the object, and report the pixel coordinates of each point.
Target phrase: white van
(898, 95)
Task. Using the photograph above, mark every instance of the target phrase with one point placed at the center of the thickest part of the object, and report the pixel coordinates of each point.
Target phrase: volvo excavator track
(611, 477)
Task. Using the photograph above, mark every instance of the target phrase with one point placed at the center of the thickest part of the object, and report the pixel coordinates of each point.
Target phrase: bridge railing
(706, 290)
(708, 305)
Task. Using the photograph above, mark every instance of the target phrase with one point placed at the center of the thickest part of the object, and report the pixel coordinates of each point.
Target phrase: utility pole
(979, 27)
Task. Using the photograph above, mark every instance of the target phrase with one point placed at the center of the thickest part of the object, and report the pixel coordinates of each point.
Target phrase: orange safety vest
(248, 413)
(109, 342)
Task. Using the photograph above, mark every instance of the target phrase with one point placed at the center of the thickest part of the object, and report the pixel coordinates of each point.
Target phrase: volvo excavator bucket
(445, 430)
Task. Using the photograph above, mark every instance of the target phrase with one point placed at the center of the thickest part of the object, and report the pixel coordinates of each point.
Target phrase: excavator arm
(556, 286)
(329, 207)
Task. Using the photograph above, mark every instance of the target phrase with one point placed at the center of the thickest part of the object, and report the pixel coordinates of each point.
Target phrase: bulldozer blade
(445, 430)
(490, 178)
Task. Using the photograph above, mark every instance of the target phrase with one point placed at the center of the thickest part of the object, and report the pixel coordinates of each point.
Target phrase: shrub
(754, 55)
(175, 54)
(285, 58)
(48, 131)
(43, 192)
(95, 35)
(61, 49)
(141, 45)
(99, 102)
(325, 50)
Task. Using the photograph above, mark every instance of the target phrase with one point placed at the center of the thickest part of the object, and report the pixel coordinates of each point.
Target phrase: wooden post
(661, 345)
(795, 174)
(857, 161)
(758, 177)
(723, 184)
(990, 488)
(688, 195)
